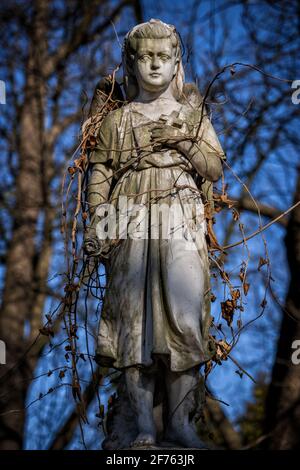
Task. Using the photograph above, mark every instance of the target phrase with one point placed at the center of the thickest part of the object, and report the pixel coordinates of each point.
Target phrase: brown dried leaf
(235, 215)
(92, 141)
(246, 287)
(235, 294)
(242, 276)
(225, 199)
(46, 331)
(227, 309)
(262, 262)
(223, 349)
(208, 368)
(212, 239)
(72, 170)
(220, 350)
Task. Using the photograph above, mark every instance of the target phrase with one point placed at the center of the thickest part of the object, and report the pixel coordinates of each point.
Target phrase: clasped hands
(163, 134)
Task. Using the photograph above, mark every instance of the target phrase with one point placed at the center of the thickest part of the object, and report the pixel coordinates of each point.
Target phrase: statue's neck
(145, 96)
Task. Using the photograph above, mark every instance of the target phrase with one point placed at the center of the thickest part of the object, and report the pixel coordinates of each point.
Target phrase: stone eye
(164, 57)
(144, 57)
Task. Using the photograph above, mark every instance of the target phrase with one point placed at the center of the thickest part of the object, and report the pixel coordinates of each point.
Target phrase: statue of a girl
(156, 310)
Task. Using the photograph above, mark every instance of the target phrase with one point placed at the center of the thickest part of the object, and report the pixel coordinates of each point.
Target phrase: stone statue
(155, 151)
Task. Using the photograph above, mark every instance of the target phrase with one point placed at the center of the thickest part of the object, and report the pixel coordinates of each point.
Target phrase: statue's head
(152, 59)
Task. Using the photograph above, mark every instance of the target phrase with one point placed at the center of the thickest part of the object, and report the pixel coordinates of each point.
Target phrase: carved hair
(153, 29)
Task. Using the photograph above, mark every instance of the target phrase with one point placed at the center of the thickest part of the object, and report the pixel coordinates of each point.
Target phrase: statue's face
(155, 64)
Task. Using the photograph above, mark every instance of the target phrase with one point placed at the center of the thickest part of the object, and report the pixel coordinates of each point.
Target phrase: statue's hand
(92, 246)
(165, 135)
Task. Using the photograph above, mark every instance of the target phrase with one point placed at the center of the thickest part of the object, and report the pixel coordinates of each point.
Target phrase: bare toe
(143, 439)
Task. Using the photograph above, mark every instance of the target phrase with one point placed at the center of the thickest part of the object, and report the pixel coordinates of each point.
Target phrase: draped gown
(157, 298)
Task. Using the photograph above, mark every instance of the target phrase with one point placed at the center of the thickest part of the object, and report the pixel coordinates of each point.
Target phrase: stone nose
(155, 63)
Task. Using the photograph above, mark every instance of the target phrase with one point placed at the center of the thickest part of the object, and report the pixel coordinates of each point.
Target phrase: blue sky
(256, 346)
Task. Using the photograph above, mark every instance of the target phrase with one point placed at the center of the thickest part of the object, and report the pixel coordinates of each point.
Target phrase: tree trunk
(283, 401)
(19, 295)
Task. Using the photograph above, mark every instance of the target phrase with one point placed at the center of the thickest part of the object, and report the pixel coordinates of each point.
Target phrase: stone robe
(157, 298)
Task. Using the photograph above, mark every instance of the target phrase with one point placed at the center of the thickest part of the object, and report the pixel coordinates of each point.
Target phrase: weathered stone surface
(156, 313)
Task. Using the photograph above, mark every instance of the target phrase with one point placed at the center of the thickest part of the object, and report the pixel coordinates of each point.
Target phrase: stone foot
(143, 439)
(186, 436)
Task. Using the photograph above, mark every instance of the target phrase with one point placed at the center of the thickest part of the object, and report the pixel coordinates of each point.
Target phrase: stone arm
(98, 193)
(202, 149)
(99, 186)
(204, 152)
